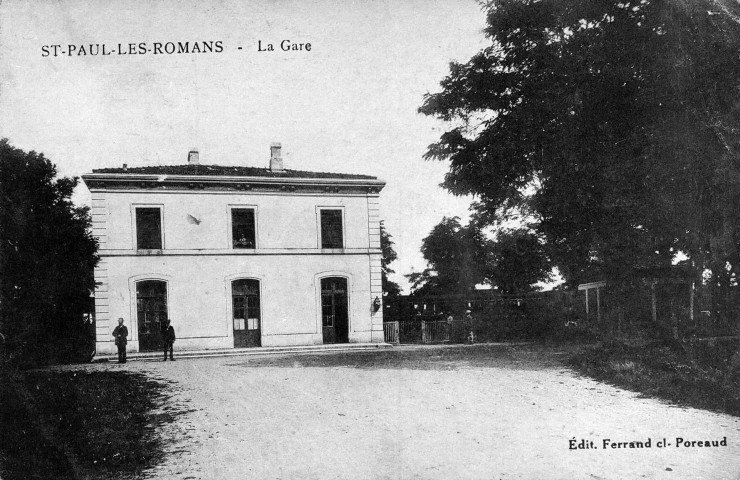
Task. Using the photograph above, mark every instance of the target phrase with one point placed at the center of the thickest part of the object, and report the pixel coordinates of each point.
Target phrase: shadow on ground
(525, 357)
(83, 424)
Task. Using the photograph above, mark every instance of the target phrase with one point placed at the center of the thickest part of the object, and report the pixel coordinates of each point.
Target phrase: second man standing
(168, 339)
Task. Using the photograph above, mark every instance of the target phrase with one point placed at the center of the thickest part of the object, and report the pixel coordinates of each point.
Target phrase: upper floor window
(148, 228)
(242, 228)
(331, 229)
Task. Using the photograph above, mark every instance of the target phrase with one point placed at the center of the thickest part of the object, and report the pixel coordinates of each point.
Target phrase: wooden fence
(391, 332)
(422, 331)
(435, 331)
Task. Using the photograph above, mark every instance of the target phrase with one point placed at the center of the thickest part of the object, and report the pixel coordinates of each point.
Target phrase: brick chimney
(193, 157)
(276, 161)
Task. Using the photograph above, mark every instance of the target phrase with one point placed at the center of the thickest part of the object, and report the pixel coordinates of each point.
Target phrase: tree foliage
(456, 258)
(389, 255)
(47, 256)
(462, 256)
(614, 124)
(518, 261)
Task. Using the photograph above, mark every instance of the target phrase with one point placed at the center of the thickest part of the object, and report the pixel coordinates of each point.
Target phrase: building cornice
(232, 252)
(137, 181)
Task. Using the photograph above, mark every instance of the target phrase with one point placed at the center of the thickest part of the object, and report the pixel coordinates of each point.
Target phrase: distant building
(236, 256)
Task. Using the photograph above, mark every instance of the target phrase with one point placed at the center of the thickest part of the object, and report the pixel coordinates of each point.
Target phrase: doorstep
(232, 352)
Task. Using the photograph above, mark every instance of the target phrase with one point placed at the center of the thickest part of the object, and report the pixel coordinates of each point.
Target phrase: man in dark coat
(470, 326)
(168, 339)
(120, 333)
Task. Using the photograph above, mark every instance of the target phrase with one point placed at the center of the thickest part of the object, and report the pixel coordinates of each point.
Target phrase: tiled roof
(220, 170)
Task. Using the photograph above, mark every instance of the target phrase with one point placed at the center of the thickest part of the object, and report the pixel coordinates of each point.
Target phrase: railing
(420, 331)
(391, 332)
(435, 331)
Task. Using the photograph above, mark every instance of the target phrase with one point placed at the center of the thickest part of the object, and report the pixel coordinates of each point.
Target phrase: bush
(47, 257)
(667, 369)
(529, 320)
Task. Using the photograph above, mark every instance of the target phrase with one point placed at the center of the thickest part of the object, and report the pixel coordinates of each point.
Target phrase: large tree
(518, 261)
(47, 256)
(614, 124)
(457, 259)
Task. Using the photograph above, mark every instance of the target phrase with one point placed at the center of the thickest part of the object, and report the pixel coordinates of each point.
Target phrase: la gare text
(285, 46)
(678, 442)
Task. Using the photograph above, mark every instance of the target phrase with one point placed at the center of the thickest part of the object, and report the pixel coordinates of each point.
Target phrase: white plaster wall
(199, 296)
(198, 264)
(283, 221)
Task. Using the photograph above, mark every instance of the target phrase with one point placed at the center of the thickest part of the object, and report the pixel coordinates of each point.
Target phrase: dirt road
(467, 412)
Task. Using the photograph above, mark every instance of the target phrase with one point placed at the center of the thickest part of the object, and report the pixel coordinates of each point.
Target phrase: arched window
(245, 298)
(334, 311)
(151, 310)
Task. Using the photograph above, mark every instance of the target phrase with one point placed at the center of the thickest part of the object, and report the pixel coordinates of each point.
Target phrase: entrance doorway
(334, 314)
(151, 310)
(245, 295)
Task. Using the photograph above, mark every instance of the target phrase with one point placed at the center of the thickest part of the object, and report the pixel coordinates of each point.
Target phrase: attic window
(331, 229)
(242, 228)
(149, 228)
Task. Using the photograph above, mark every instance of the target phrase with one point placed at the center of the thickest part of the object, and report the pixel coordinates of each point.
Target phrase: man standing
(120, 333)
(470, 326)
(449, 330)
(168, 339)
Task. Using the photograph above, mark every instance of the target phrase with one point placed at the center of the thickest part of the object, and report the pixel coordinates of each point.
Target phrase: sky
(348, 105)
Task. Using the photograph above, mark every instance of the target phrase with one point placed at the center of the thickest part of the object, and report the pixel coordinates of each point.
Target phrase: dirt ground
(468, 412)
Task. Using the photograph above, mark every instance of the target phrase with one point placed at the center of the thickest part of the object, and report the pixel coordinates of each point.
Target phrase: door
(245, 296)
(151, 308)
(334, 314)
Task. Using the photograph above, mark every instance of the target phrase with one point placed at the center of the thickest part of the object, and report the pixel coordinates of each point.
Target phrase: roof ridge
(226, 170)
